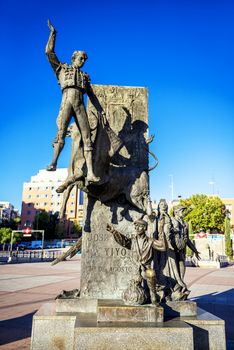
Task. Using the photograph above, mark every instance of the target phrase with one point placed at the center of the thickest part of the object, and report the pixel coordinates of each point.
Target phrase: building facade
(40, 194)
(229, 204)
(7, 212)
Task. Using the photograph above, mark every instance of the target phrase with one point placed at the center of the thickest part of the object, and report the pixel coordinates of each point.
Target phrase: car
(21, 247)
(37, 246)
(48, 246)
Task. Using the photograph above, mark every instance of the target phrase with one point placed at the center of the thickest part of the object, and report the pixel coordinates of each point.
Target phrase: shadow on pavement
(16, 328)
(222, 306)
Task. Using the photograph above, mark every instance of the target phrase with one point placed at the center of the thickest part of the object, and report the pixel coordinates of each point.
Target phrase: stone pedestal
(76, 305)
(118, 336)
(180, 308)
(52, 331)
(208, 330)
(80, 331)
(117, 311)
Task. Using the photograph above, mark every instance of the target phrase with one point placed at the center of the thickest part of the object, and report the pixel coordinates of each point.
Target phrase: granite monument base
(180, 308)
(117, 311)
(81, 331)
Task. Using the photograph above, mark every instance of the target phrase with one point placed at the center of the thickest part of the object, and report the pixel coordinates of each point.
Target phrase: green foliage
(171, 212)
(189, 252)
(12, 223)
(5, 235)
(47, 222)
(190, 229)
(77, 228)
(60, 230)
(204, 211)
(228, 241)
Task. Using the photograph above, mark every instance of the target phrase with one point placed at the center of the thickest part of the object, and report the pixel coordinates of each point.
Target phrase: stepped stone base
(129, 336)
(208, 330)
(180, 308)
(117, 311)
(76, 305)
(81, 331)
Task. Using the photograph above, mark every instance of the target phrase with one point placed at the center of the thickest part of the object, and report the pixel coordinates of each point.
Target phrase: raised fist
(51, 27)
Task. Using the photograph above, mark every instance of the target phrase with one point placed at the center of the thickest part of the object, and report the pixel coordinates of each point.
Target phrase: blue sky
(181, 50)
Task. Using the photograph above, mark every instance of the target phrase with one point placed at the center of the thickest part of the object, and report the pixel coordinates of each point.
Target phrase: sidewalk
(25, 287)
(213, 290)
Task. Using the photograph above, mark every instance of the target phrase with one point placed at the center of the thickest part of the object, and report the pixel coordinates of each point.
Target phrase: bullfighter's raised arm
(53, 59)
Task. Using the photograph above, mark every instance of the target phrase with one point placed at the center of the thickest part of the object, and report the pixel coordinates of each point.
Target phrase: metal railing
(30, 255)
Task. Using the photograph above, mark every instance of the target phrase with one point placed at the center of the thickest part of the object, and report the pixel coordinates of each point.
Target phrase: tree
(77, 229)
(5, 235)
(60, 230)
(204, 211)
(189, 252)
(47, 222)
(228, 241)
(12, 223)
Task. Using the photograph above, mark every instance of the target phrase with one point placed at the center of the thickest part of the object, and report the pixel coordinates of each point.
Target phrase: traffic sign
(27, 231)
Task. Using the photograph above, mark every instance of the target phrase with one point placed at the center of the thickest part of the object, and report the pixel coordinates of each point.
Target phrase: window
(30, 188)
(71, 211)
(28, 212)
(29, 205)
(29, 196)
(45, 203)
(38, 196)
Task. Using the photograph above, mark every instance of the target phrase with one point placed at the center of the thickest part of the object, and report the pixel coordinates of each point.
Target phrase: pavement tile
(23, 282)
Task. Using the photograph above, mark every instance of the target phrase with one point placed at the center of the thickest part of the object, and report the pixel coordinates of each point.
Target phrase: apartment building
(40, 194)
(7, 211)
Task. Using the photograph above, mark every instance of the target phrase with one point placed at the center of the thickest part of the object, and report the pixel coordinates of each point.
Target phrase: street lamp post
(212, 184)
(42, 244)
(172, 187)
(11, 248)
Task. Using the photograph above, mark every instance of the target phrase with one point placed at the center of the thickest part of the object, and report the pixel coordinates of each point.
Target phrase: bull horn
(155, 158)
